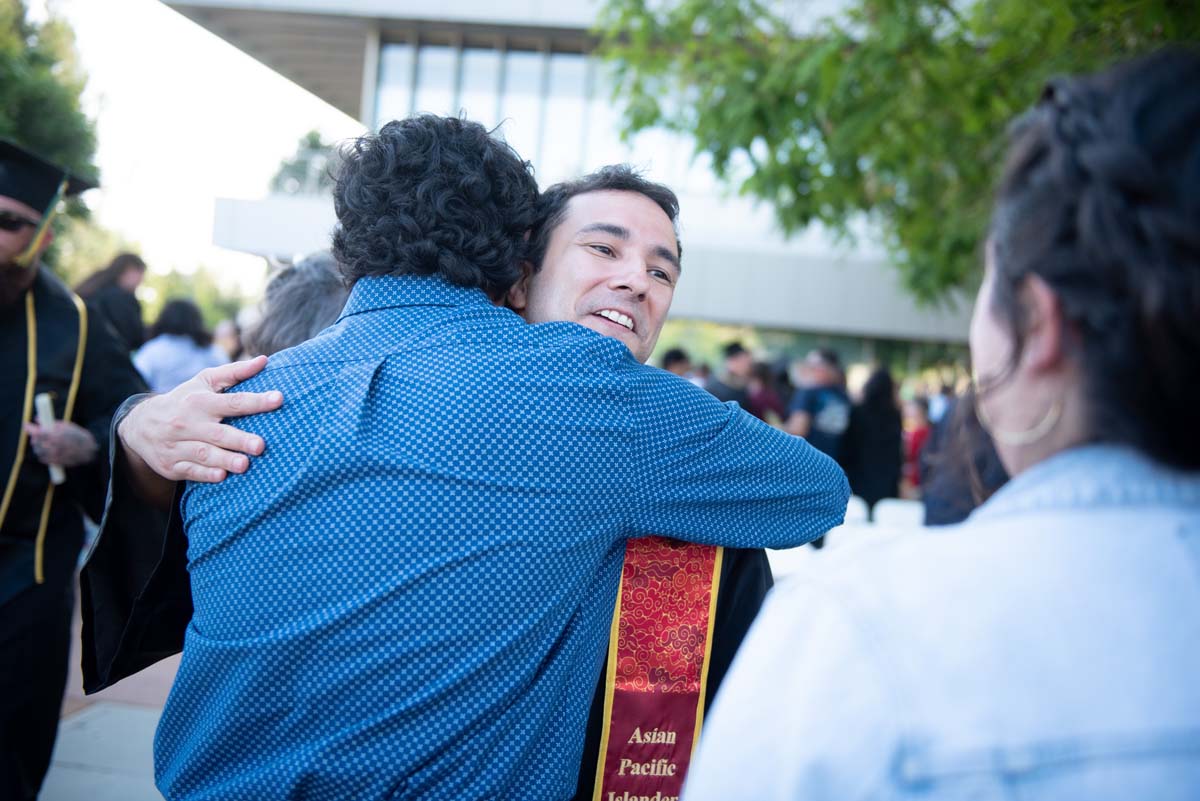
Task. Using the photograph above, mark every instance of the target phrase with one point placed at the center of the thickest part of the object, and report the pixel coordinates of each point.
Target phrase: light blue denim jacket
(1047, 648)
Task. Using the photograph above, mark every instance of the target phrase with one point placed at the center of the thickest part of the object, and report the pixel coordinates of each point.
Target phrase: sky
(183, 118)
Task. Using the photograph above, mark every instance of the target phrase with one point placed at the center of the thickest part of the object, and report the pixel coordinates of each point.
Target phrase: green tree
(309, 170)
(40, 85)
(41, 81)
(892, 112)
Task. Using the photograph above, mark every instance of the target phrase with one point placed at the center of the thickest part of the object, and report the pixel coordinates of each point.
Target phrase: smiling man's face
(611, 265)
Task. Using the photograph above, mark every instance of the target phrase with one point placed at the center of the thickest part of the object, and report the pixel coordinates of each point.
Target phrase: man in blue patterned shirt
(408, 595)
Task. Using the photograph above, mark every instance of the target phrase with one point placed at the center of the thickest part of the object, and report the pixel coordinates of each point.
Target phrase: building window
(521, 104)
(479, 98)
(437, 69)
(395, 83)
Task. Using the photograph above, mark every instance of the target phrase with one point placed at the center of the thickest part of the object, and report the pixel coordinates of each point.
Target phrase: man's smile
(616, 317)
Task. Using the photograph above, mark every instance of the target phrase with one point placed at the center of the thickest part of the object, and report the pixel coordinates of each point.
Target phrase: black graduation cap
(34, 181)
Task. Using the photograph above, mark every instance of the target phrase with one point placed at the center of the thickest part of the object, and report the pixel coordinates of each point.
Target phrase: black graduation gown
(35, 616)
(106, 379)
(872, 453)
(135, 592)
(745, 580)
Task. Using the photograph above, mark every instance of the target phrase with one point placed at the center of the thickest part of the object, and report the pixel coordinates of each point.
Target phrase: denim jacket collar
(1092, 476)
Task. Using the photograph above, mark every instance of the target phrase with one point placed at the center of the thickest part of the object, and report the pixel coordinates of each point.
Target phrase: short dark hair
(1100, 199)
(826, 356)
(181, 317)
(552, 207)
(300, 301)
(673, 357)
(733, 349)
(431, 195)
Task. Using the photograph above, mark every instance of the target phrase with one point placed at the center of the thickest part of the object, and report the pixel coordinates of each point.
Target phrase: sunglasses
(10, 221)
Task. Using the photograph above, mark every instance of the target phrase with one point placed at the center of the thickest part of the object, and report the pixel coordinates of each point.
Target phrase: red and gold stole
(658, 659)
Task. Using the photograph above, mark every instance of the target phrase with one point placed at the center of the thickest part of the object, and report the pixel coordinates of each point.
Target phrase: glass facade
(555, 108)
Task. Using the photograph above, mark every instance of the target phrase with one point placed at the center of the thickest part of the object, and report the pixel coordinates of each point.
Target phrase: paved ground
(105, 741)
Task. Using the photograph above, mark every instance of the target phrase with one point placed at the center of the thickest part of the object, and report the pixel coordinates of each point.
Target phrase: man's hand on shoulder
(179, 436)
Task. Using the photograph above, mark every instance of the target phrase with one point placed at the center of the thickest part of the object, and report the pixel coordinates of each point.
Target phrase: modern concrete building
(526, 65)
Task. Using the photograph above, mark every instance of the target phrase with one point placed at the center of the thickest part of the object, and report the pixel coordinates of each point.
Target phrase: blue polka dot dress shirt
(409, 594)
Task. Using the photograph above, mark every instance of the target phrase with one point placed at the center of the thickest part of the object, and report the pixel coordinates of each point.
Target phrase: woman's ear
(1044, 332)
(518, 295)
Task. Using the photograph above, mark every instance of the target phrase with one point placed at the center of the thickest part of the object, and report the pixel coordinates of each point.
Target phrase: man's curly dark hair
(431, 195)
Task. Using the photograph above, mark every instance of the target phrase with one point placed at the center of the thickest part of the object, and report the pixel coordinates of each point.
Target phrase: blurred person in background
(179, 347)
(940, 403)
(54, 345)
(959, 466)
(735, 375)
(1048, 647)
(300, 301)
(916, 434)
(111, 292)
(678, 362)
(820, 408)
(762, 398)
(872, 449)
(227, 335)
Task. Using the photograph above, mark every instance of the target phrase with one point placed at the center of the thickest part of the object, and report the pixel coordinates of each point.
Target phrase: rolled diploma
(45, 418)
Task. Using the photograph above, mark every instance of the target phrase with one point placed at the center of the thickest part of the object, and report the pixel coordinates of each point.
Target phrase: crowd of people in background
(887, 438)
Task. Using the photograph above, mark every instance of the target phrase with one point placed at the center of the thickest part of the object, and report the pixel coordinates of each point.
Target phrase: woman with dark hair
(871, 451)
(179, 347)
(110, 291)
(1047, 647)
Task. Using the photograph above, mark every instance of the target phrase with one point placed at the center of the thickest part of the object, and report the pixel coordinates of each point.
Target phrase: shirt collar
(1093, 476)
(374, 292)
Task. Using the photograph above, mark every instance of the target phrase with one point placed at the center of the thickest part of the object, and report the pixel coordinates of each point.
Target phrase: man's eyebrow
(623, 233)
(663, 253)
(605, 228)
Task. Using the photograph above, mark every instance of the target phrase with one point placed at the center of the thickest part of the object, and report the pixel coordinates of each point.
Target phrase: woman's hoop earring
(1019, 438)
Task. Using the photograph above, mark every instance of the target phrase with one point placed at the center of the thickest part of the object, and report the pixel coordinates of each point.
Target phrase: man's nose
(631, 276)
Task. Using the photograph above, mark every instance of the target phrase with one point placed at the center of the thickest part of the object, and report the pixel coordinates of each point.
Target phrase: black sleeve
(745, 580)
(135, 594)
(107, 378)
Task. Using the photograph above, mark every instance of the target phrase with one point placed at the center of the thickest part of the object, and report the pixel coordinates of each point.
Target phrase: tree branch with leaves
(891, 111)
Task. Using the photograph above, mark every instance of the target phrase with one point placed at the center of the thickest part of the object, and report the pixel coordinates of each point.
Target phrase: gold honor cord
(40, 549)
(708, 644)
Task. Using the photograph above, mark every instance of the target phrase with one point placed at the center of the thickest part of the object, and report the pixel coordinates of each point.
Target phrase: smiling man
(606, 255)
(497, 544)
